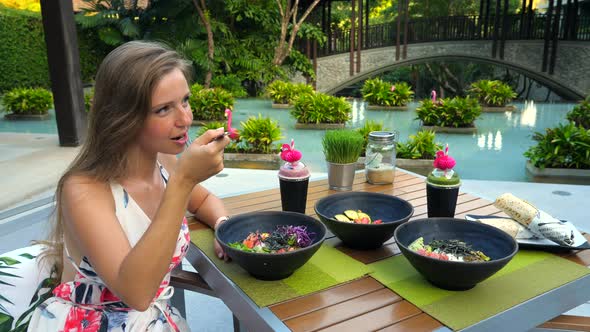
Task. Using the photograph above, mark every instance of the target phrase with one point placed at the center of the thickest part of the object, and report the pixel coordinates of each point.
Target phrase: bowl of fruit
(270, 245)
(363, 220)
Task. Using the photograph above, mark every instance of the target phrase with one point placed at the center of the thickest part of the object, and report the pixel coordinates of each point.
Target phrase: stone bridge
(571, 78)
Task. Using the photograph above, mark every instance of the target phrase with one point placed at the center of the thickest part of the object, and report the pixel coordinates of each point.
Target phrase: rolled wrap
(535, 220)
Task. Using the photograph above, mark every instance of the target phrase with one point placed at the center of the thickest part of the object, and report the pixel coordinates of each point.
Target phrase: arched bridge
(551, 49)
(570, 79)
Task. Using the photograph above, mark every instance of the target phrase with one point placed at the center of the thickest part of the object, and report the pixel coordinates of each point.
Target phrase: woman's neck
(140, 164)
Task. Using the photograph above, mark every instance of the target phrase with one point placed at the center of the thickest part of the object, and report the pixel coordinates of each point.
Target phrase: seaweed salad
(283, 239)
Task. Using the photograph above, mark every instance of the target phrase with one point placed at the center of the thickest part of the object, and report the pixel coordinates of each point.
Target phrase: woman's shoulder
(81, 185)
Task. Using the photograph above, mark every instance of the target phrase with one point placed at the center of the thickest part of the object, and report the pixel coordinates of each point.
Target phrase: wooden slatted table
(365, 304)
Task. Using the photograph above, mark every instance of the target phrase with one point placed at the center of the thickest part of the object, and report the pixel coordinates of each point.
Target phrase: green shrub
(23, 55)
(565, 146)
(28, 101)
(282, 92)
(210, 104)
(581, 114)
(377, 92)
(342, 146)
(455, 112)
(88, 96)
(321, 108)
(261, 133)
(492, 93)
(230, 83)
(421, 145)
(366, 129)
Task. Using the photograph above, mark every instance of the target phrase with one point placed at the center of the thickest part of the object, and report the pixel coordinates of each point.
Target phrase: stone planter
(418, 166)
(387, 108)
(558, 173)
(14, 116)
(494, 109)
(252, 160)
(452, 130)
(282, 106)
(319, 125)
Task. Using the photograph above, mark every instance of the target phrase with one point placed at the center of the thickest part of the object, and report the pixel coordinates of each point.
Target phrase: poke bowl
(291, 240)
(383, 212)
(426, 242)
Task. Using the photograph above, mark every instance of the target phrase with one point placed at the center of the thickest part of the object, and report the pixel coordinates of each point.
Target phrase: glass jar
(380, 157)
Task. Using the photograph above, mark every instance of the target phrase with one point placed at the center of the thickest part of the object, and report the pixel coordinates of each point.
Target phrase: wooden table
(365, 304)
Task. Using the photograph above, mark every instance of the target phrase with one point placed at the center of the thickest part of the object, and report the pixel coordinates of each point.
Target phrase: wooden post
(547, 34)
(480, 33)
(504, 29)
(352, 33)
(522, 19)
(574, 34)
(64, 70)
(530, 13)
(308, 54)
(367, 25)
(406, 16)
(496, 28)
(566, 21)
(556, 22)
(330, 48)
(360, 37)
(399, 17)
(486, 20)
(315, 63)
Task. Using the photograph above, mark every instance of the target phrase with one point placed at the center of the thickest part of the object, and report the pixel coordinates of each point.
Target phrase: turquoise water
(493, 153)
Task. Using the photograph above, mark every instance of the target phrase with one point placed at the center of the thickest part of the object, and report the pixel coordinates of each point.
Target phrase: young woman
(120, 226)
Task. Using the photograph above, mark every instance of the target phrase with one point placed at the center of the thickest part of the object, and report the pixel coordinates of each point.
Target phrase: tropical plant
(565, 146)
(88, 96)
(421, 145)
(377, 92)
(261, 133)
(366, 129)
(231, 83)
(28, 101)
(454, 112)
(321, 108)
(342, 146)
(492, 93)
(580, 115)
(280, 92)
(210, 104)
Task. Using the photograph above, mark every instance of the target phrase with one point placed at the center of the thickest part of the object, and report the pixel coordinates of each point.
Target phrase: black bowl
(268, 266)
(391, 210)
(494, 243)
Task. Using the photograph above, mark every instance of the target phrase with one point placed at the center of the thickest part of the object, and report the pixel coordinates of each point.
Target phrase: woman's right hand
(204, 157)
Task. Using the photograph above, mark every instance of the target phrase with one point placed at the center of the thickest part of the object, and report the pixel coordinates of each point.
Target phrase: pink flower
(392, 88)
(289, 154)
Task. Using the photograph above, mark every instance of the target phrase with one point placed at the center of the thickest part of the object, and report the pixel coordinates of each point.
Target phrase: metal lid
(382, 136)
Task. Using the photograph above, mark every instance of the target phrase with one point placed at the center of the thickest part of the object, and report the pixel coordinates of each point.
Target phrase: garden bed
(13, 116)
(494, 109)
(252, 160)
(387, 108)
(452, 130)
(319, 125)
(558, 172)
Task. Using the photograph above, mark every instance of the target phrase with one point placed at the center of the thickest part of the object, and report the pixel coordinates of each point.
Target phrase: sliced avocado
(362, 215)
(341, 217)
(351, 214)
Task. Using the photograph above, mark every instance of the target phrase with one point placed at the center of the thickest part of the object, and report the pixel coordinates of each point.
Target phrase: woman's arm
(134, 274)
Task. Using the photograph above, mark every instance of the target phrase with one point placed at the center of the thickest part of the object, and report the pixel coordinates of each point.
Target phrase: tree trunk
(289, 14)
(204, 15)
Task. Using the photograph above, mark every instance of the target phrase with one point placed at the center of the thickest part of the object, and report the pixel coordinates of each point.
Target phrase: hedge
(23, 55)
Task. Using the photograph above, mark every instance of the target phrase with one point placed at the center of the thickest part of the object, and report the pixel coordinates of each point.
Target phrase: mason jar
(380, 157)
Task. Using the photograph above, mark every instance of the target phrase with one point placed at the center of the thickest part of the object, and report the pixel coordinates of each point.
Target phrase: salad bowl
(494, 243)
(389, 210)
(264, 265)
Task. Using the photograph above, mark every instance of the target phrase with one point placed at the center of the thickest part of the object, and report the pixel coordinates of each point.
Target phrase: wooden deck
(365, 304)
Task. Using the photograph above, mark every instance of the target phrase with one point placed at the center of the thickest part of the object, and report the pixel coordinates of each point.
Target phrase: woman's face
(170, 117)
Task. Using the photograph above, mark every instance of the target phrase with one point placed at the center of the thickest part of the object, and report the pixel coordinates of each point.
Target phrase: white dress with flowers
(86, 304)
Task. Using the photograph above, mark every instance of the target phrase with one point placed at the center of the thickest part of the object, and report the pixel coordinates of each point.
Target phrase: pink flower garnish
(443, 161)
(233, 132)
(289, 154)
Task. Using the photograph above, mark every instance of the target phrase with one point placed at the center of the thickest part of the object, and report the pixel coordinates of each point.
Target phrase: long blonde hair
(123, 88)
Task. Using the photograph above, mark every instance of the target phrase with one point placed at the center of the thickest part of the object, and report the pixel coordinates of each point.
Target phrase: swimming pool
(493, 153)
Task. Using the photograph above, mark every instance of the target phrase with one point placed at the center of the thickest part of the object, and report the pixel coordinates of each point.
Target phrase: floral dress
(86, 304)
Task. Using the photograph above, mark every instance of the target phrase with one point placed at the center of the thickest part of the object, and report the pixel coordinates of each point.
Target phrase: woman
(120, 226)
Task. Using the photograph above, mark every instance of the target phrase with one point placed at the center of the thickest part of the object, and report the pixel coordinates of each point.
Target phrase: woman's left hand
(219, 252)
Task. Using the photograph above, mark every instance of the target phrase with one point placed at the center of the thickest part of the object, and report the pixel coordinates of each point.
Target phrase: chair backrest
(24, 284)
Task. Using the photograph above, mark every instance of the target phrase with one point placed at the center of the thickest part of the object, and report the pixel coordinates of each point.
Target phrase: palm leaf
(8, 260)
(5, 321)
(110, 36)
(128, 28)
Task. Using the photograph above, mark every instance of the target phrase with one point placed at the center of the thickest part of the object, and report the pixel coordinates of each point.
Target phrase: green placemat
(528, 274)
(328, 267)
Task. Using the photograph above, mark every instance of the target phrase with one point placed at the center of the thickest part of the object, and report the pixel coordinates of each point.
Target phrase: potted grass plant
(493, 95)
(342, 149)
